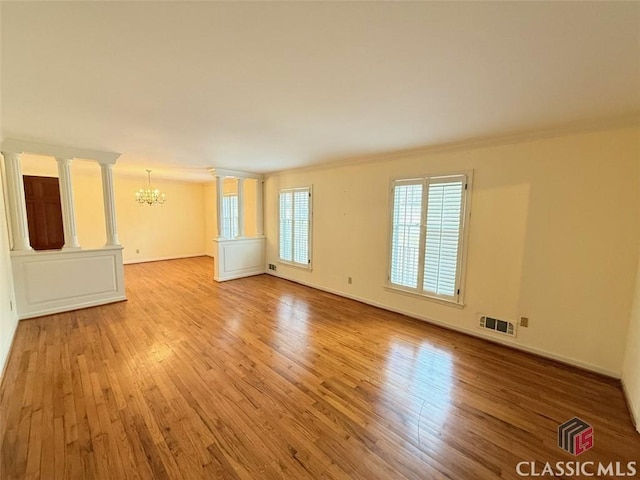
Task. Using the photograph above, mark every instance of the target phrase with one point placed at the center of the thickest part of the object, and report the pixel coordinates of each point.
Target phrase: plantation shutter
(427, 235)
(286, 226)
(443, 235)
(230, 216)
(301, 226)
(405, 234)
(295, 225)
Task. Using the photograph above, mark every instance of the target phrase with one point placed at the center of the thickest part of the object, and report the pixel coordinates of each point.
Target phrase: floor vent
(499, 326)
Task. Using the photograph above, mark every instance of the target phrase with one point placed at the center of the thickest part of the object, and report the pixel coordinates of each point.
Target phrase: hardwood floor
(263, 378)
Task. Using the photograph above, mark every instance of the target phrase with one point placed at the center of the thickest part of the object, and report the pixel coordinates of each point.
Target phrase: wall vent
(499, 326)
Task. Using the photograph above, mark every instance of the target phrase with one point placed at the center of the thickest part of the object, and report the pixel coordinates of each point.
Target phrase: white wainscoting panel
(237, 258)
(55, 281)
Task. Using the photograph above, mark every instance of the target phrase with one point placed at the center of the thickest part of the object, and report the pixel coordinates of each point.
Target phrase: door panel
(44, 212)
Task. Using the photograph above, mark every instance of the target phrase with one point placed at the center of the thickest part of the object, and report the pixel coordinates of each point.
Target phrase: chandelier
(150, 196)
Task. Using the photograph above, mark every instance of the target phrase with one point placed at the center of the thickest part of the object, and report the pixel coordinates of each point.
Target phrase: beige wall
(175, 229)
(229, 185)
(172, 230)
(250, 190)
(631, 369)
(553, 236)
(631, 372)
(8, 316)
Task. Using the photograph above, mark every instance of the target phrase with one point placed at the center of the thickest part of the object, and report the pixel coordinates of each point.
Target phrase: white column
(240, 207)
(109, 205)
(68, 205)
(219, 194)
(259, 207)
(16, 201)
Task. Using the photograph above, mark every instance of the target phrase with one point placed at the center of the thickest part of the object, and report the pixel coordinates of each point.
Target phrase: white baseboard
(71, 307)
(160, 259)
(468, 331)
(253, 273)
(12, 336)
(630, 405)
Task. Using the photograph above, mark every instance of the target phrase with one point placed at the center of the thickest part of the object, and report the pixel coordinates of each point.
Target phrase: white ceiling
(268, 86)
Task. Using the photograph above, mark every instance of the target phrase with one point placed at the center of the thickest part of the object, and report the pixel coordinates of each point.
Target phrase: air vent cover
(499, 326)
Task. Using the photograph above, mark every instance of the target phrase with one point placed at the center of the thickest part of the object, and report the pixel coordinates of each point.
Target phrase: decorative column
(259, 207)
(219, 194)
(17, 203)
(68, 205)
(109, 205)
(240, 207)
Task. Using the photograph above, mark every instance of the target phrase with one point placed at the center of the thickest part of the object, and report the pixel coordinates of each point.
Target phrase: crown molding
(469, 144)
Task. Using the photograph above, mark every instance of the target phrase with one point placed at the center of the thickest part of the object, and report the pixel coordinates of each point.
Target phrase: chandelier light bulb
(150, 196)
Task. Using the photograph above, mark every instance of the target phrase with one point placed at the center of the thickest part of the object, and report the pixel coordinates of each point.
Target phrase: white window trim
(301, 266)
(458, 301)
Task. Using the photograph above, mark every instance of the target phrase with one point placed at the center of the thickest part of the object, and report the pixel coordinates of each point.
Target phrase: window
(230, 216)
(427, 235)
(295, 226)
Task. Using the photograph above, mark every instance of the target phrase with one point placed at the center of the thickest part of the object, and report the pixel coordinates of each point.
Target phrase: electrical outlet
(524, 322)
(272, 267)
(349, 280)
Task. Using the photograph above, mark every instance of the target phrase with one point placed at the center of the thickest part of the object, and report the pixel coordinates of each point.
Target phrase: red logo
(575, 436)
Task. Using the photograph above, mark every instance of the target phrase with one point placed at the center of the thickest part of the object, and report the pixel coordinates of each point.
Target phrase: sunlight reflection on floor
(418, 382)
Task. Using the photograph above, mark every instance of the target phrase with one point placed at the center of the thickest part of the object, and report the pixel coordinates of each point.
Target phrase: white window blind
(427, 235)
(286, 226)
(405, 243)
(230, 216)
(442, 244)
(295, 225)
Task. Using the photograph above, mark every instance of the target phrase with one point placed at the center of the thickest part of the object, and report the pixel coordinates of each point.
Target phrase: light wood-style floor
(261, 378)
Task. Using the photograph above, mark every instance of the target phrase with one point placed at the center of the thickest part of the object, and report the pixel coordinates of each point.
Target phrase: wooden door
(44, 212)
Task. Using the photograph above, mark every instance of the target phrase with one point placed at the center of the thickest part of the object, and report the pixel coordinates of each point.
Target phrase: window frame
(291, 263)
(458, 299)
